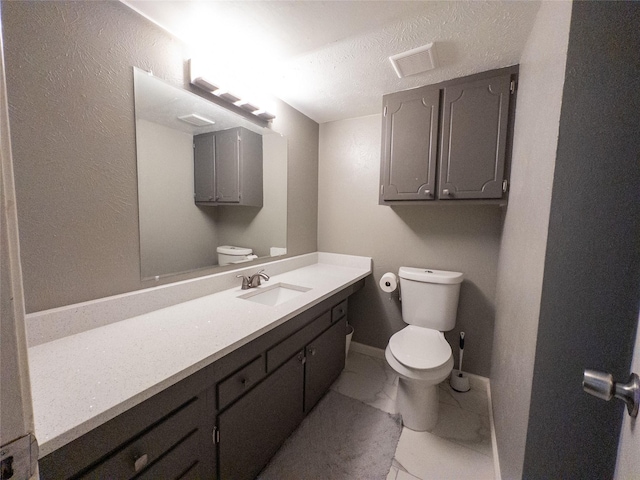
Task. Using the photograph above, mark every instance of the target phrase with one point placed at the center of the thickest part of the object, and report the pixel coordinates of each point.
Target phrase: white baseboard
(494, 440)
(367, 350)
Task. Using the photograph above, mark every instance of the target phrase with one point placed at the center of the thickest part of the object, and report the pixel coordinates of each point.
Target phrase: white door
(18, 451)
(628, 464)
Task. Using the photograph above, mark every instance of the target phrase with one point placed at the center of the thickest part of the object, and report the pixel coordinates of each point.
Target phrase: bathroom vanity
(206, 388)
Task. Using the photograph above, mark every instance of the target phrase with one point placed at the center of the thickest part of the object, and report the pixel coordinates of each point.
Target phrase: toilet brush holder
(459, 382)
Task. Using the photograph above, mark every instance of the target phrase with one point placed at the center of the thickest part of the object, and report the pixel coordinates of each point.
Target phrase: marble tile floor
(460, 445)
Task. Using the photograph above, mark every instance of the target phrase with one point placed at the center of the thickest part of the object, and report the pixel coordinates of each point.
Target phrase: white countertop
(80, 381)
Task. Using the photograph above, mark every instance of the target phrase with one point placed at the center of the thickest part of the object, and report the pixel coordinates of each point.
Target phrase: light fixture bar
(204, 83)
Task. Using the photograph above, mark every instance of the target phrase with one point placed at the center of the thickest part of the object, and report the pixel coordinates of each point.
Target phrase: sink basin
(274, 294)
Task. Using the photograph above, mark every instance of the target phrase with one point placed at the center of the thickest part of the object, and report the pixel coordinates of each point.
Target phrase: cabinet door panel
(410, 132)
(227, 167)
(253, 428)
(203, 154)
(474, 137)
(325, 360)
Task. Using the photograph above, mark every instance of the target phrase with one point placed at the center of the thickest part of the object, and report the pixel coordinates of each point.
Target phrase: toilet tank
(230, 254)
(429, 297)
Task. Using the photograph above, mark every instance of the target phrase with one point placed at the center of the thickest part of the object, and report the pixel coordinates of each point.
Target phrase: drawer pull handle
(141, 462)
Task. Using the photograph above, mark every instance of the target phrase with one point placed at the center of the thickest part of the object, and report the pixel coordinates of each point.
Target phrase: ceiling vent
(417, 60)
(197, 120)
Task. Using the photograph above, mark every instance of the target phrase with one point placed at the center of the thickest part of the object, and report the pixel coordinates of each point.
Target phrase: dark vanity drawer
(177, 463)
(339, 311)
(240, 382)
(279, 354)
(128, 461)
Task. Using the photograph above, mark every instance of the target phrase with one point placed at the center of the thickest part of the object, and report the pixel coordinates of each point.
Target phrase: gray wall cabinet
(228, 419)
(409, 144)
(449, 141)
(228, 168)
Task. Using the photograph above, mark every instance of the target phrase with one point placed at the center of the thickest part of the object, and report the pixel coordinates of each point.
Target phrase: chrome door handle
(601, 385)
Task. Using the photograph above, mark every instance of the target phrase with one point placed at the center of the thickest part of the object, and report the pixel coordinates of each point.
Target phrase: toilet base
(418, 404)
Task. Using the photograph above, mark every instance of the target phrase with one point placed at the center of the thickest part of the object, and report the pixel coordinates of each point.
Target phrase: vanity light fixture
(207, 85)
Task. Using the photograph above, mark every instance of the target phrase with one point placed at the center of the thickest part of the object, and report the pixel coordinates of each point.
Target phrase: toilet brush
(459, 382)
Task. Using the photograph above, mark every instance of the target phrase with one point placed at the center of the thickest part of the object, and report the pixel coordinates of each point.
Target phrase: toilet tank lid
(428, 275)
(231, 250)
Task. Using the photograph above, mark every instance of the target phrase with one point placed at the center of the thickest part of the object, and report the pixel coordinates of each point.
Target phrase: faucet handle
(245, 281)
(254, 280)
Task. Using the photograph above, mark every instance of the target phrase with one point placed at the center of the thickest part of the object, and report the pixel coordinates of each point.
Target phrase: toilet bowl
(422, 358)
(419, 353)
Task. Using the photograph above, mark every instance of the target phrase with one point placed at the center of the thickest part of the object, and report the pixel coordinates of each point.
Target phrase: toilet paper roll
(389, 282)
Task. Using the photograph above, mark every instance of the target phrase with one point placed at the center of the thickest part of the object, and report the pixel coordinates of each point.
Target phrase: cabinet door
(474, 137)
(227, 167)
(253, 428)
(409, 145)
(325, 360)
(204, 152)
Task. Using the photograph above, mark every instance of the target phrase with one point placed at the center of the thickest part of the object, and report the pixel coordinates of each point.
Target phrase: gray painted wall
(447, 237)
(590, 295)
(175, 235)
(70, 89)
(524, 236)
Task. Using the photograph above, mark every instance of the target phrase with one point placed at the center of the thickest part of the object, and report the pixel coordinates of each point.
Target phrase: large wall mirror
(176, 235)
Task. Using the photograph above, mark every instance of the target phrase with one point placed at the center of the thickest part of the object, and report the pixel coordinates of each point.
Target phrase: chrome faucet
(253, 280)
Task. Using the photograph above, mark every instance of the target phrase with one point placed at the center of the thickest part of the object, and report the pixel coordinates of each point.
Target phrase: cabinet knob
(446, 192)
(312, 350)
(427, 193)
(141, 462)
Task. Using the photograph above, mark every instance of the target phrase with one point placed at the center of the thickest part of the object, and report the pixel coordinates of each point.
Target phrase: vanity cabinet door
(252, 430)
(475, 118)
(325, 360)
(409, 148)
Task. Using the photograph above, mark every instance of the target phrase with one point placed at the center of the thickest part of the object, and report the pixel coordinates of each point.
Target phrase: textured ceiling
(330, 59)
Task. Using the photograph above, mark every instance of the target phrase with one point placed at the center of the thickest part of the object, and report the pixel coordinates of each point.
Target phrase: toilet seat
(420, 348)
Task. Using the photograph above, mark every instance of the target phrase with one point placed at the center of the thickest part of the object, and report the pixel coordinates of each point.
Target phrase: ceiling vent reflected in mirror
(197, 120)
(415, 61)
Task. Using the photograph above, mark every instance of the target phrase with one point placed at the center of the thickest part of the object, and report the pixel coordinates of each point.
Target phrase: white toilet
(419, 352)
(228, 254)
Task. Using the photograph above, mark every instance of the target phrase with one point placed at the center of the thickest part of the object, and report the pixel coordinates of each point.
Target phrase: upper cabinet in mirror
(240, 166)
